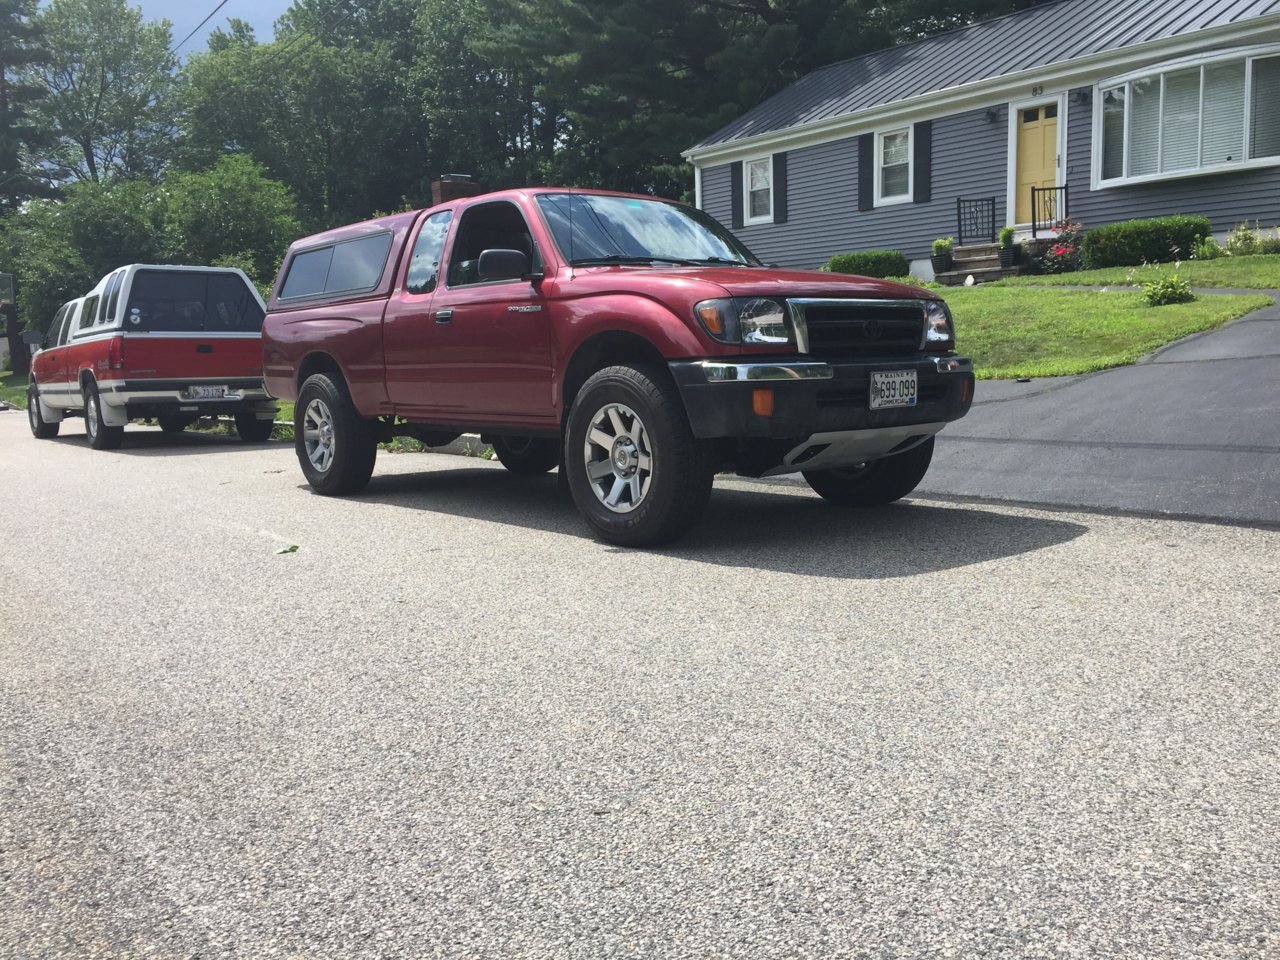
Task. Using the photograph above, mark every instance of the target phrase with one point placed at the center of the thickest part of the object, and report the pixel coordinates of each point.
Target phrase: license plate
(206, 393)
(893, 388)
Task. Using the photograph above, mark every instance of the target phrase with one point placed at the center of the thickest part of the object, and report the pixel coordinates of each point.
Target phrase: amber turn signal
(712, 318)
(762, 402)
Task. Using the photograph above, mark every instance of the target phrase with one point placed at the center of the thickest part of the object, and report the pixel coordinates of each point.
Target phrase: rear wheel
(636, 472)
(251, 429)
(875, 483)
(39, 428)
(527, 455)
(101, 436)
(170, 423)
(336, 447)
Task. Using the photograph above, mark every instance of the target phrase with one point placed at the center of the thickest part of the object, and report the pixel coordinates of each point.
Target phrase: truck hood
(698, 283)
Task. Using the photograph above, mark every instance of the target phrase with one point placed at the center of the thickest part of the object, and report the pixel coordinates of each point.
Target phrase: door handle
(444, 316)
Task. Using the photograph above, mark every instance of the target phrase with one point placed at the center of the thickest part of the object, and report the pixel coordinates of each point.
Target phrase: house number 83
(1036, 91)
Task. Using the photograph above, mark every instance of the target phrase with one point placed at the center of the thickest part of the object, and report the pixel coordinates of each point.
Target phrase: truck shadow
(784, 530)
(151, 442)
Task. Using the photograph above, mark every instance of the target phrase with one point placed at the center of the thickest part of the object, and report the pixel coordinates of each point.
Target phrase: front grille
(856, 329)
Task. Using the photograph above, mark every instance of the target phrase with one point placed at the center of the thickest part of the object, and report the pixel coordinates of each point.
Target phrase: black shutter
(867, 171)
(779, 188)
(735, 190)
(922, 162)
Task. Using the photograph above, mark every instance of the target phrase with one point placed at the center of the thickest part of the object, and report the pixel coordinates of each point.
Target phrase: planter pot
(1008, 256)
(941, 262)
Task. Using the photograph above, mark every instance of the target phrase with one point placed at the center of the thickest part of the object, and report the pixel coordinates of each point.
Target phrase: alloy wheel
(618, 458)
(317, 435)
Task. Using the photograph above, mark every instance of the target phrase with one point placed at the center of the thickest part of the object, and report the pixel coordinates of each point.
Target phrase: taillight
(115, 353)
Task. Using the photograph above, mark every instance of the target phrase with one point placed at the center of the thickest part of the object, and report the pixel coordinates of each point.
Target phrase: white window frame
(880, 199)
(1245, 54)
(1014, 109)
(747, 218)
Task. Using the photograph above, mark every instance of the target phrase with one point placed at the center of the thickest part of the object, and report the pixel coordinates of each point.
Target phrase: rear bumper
(811, 397)
(149, 398)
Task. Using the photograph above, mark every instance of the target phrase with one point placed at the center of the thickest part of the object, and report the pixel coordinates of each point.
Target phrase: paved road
(451, 725)
(1195, 431)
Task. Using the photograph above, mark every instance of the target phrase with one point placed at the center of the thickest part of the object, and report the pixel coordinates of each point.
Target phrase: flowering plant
(1063, 255)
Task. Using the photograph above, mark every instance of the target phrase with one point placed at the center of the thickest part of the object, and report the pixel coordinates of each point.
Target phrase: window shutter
(922, 162)
(735, 189)
(779, 188)
(866, 171)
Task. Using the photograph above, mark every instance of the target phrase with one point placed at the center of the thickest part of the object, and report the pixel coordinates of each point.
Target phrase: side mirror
(503, 265)
(33, 339)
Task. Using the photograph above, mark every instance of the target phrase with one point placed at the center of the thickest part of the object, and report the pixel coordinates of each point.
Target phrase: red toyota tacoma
(632, 341)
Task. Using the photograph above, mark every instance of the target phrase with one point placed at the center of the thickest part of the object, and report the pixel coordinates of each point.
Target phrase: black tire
(253, 430)
(170, 423)
(680, 467)
(101, 436)
(527, 456)
(875, 483)
(39, 428)
(352, 445)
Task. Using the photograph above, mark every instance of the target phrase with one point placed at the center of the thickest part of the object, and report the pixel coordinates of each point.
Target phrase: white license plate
(206, 393)
(893, 388)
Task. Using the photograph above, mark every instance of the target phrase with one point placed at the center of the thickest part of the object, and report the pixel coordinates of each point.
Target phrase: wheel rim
(618, 458)
(91, 416)
(317, 435)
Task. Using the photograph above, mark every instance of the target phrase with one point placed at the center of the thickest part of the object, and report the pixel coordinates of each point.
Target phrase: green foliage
(1063, 254)
(107, 79)
(21, 49)
(943, 246)
(1167, 288)
(1134, 242)
(1207, 248)
(1242, 241)
(1006, 236)
(870, 263)
(1269, 245)
(1245, 273)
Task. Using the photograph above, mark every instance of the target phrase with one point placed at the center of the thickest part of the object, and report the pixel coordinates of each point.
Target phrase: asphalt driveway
(1193, 431)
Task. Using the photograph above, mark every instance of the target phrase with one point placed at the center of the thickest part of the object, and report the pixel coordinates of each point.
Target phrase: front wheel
(39, 428)
(253, 430)
(336, 447)
(635, 470)
(101, 436)
(875, 483)
(528, 456)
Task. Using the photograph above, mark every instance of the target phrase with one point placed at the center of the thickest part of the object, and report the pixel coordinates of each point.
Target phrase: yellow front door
(1037, 155)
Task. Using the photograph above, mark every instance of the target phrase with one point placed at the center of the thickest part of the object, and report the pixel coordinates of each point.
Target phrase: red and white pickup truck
(172, 343)
(632, 341)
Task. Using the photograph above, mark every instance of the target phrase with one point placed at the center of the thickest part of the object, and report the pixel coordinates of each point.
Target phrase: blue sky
(185, 14)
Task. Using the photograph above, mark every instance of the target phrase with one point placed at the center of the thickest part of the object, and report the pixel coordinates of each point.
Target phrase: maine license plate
(206, 393)
(893, 388)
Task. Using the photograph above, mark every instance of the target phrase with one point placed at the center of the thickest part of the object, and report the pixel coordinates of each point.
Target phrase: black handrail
(976, 219)
(1047, 209)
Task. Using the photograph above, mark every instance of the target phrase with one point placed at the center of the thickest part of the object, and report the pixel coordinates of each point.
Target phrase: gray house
(1109, 109)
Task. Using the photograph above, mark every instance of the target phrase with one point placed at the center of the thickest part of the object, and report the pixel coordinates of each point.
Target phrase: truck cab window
(424, 266)
(490, 226)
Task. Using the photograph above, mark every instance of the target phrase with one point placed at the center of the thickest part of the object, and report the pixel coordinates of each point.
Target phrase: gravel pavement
(453, 725)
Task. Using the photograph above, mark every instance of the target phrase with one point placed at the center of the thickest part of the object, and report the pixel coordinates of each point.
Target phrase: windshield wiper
(721, 261)
(618, 259)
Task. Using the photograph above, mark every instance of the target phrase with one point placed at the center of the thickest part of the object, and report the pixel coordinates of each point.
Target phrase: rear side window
(170, 301)
(112, 298)
(86, 314)
(352, 266)
(424, 267)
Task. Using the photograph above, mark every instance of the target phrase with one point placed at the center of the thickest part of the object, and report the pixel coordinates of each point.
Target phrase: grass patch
(13, 388)
(1241, 273)
(1053, 333)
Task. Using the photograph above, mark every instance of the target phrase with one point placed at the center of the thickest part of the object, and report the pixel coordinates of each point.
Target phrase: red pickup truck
(172, 343)
(633, 341)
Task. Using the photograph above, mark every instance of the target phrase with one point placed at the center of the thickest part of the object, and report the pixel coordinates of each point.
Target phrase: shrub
(1063, 254)
(1167, 288)
(1207, 248)
(870, 263)
(1269, 244)
(943, 245)
(1133, 242)
(1006, 236)
(1242, 241)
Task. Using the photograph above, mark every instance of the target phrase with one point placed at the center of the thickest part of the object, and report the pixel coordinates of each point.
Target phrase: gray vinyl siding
(970, 159)
(1225, 198)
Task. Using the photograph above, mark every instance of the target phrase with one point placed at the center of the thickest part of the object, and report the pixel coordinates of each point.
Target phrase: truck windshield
(173, 301)
(602, 230)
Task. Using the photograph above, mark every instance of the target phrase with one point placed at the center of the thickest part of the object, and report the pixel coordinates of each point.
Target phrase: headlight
(745, 320)
(939, 333)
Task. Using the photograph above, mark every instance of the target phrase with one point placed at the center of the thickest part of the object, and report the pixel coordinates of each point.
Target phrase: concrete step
(975, 250)
(956, 278)
(974, 263)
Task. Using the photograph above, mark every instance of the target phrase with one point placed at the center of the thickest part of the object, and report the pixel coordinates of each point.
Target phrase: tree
(107, 78)
(20, 50)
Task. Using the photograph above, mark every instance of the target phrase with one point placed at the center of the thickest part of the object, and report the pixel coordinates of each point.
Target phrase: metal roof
(1052, 33)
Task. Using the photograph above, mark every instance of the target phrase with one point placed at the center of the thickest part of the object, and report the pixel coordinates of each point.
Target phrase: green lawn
(1241, 273)
(13, 388)
(1047, 333)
